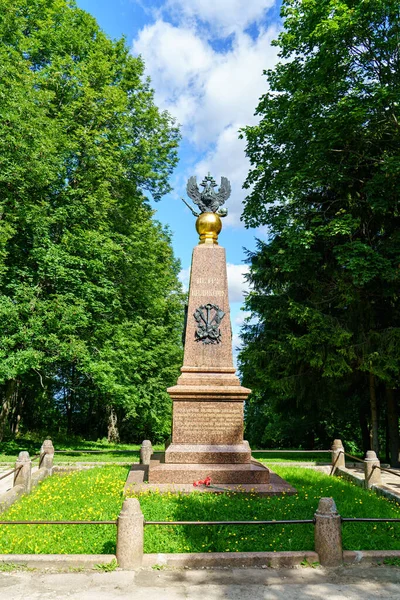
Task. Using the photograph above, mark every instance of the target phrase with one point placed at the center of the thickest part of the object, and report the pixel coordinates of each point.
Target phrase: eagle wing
(192, 190)
(224, 191)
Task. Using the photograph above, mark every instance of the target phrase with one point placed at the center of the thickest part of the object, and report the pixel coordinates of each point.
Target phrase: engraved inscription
(205, 280)
(208, 423)
(208, 293)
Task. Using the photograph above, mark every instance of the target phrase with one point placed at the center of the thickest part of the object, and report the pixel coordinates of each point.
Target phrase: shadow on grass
(109, 547)
(224, 538)
(351, 501)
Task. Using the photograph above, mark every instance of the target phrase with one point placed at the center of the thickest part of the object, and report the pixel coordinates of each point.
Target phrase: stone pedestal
(207, 424)
(328, 534)
(372, 470)
(130, 533)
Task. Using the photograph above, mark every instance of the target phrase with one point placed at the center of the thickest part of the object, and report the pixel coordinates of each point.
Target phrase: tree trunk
(387, 435)
(374, 444)
(392, 427)
(11, 393)
(16, 424)
(71, 399)
(100, 416)
(16, 415)
(112, 435)
(89, 418)
(364, 428)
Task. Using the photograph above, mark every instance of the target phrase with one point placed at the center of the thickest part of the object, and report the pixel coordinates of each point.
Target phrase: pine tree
(325, 182)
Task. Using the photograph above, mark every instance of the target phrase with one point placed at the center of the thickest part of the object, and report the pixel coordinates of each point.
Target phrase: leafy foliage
(324, 181)
(90, 303)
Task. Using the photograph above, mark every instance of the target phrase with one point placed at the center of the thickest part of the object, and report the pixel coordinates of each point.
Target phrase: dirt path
(350, 583)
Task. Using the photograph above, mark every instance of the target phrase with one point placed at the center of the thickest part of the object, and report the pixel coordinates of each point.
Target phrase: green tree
(90, 303)
(325, 182)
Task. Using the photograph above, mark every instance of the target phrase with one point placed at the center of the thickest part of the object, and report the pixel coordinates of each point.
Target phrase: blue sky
(205, 59)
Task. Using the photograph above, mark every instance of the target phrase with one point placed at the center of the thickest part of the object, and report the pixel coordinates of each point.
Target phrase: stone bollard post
(46, 459)
(23, 475)
(371, 472)
(338, 458)
(130, 535)
(328, 534)
(146, 450)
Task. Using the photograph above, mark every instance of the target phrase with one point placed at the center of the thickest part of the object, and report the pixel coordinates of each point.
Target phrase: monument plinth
(208, 399)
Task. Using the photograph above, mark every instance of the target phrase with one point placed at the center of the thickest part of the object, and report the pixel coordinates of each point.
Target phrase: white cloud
(175, 58)
(228, 158)
(236, 345)
(237, 285)
(224, 16)
(207, 91)
(184, 278)
(236, 281)
(241, 317)
(235, 84)
(212, 94)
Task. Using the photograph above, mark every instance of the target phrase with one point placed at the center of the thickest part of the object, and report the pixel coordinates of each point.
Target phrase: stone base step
(137, 475)
(276, 487)
(252, 473)
(208, 454)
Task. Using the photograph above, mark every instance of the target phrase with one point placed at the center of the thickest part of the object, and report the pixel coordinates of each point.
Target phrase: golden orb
(208, 226)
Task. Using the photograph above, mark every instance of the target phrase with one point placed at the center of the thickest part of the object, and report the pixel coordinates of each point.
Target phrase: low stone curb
(78, 466)
(381, 490)
(389, 493)
(230, 559)
(297, 463)
(198, 560)
(369, 556)
(60, 469)
(8, 498)
(39, 476)
(11, 496)
(57, 561)
(348, 476)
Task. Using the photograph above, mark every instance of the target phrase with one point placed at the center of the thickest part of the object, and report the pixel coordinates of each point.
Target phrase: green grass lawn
(97, 495)
(272, 456)
(351, 502)
(74, 451)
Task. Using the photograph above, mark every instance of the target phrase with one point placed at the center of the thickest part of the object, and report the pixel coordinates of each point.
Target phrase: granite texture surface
(138, 476)
(207, 423)
(208, 399)
(328, 533)
(275, 487)
(208, 284)
(208, 392)
(207, 453)
(219, 473)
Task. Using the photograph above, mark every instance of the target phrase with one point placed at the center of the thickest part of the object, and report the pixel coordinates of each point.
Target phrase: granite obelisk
(208, 399)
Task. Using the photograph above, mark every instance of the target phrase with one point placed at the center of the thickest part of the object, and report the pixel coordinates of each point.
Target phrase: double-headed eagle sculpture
(208, 200)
